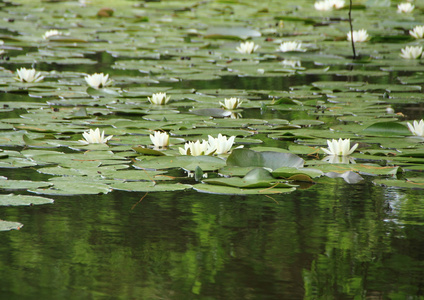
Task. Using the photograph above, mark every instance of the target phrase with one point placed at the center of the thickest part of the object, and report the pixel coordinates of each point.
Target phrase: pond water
(124, 221)
(333, 241)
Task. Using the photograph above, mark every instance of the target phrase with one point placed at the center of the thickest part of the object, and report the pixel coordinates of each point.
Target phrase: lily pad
(387, 129)
(267, 159)
(410, 183)
(187, 162)
(18, 200)
(149, 187)
(228, 190)
(256, 178)
(231, 33)
(74, 186)
(288, 172)
(7, 225)
(11, 185)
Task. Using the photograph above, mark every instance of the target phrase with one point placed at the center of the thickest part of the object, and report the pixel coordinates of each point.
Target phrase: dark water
(331, 241)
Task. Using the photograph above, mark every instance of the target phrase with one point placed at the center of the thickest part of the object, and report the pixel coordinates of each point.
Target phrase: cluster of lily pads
(185, 97)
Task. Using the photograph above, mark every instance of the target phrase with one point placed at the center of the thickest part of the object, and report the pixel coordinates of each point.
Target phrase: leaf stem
(351, 30)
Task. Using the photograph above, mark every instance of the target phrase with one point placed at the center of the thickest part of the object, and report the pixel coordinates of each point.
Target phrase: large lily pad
(387, 129)
(228, 190)
(187, 162)
(267, 159)
(8, 225)
(149, 187)
(74, 186)
(256, 178)
(22, 184)
(18, 200)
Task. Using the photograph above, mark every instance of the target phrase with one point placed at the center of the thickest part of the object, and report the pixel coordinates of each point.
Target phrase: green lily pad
(147, 151)
(387, 129)
(256, 178)
(368, 169)
(187, 162)
(212, 112)
(411, 183)
(104, 92)
(287, 172)
(7, 225)
(231, 33)
(267, 159)
(11, 185)
(149, 187)
(228, 190)
(67, 186)
(18, 200)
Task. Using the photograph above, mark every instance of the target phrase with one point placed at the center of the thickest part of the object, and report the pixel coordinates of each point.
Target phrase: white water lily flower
(417, 32)
(291, 63)
(221, 143)
(359, 36)
(417, 128)
(411, 52)
(197, 148)
(405, 7)
(48, 34)
(326, 5)
(339, 147)
(94, 137)
(290, 46)
(230, 104)
(28, 75)
(160, 139)
(98, 80)
(247, 47)
(159, 99)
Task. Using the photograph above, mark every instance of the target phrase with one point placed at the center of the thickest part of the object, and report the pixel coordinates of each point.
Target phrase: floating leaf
(256, 178)
(367, 169)
(7, 225)
(287, 172)
(187, 162)
(212, 112)
(18, 200)
(387, 129)
(104, 92)
(228, 190)
(149, 187)
(74, 186)
(267, 159)
(22, 184)
(411, 183)
(231, 33)
(147, 151)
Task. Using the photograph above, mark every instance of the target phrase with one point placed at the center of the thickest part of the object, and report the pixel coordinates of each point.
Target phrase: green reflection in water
(333, 241)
